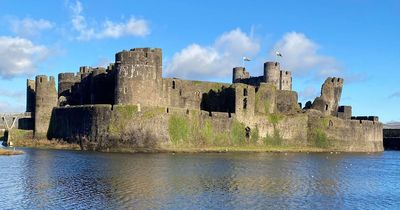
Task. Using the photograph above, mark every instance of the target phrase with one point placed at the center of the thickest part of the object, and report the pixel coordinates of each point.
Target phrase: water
(53, 179)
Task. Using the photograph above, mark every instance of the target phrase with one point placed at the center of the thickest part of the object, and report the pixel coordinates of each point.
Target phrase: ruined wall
(244, 102)
(209, 96)
(45, 100)
(331, 92)
(138, 76)
(270, 100)
(285, 80)
(287, 102)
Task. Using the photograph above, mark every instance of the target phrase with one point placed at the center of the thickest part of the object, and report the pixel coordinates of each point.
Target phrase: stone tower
(331, 91)
(30, 96)
(138, 76)
(45, 101)
(239, 73)
(65, 83)
(272, 73)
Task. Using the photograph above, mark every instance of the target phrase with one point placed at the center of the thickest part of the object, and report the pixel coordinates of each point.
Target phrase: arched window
(245, 103)
(173, 84)
(245, 92)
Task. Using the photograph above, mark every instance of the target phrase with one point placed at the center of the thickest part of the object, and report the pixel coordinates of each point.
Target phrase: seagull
(246, 59)
(278, 54)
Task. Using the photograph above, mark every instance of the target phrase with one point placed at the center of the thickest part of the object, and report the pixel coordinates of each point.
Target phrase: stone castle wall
(129, 103)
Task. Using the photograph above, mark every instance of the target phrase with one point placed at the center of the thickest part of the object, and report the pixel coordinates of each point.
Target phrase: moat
(57, 179)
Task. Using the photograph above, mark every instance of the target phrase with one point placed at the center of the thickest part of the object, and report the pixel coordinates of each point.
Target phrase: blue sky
(202, 40)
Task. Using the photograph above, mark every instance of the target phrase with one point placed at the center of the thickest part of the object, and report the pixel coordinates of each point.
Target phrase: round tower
(272, 73)
(65, 83)
(45, 101)
(238, 74)
(138, 76)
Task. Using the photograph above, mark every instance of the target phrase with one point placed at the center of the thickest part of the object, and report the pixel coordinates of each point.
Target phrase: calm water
(82, 180)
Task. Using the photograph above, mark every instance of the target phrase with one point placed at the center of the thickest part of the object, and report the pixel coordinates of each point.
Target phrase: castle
(130, 103)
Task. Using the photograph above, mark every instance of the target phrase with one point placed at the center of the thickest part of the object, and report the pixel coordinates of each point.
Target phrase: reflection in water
(70, 179)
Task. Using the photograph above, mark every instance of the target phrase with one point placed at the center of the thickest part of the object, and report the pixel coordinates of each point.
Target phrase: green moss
(254, 136)
(120, 117)
(178, 128)
(317, 134)
(274, 140)
(238, 133)
(275, 118)
(151, 113)
(207, 133)
(320, 139)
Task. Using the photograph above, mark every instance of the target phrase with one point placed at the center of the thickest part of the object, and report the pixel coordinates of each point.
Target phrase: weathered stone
(331, 92)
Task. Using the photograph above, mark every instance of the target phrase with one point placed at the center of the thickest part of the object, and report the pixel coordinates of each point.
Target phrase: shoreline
(62, 145)
(10, 152)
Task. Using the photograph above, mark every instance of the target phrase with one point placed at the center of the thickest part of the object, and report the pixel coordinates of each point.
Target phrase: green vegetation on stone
(120, 117)
(275, 118)
(178, 129)
(238, 133)
(274, 140)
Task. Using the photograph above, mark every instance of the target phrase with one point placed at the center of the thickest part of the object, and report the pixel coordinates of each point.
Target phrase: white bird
(278, 54)
(246, 59)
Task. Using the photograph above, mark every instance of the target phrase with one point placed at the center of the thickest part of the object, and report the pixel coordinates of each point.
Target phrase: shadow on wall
(222, 100)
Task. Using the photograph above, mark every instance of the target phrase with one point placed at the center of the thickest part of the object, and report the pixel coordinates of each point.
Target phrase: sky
(358, 40)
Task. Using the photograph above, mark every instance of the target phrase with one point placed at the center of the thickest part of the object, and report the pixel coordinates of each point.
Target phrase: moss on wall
(316, 132)
(275, 118)
(273, 140)
(178, 128)
(238, 134)
(121, 115)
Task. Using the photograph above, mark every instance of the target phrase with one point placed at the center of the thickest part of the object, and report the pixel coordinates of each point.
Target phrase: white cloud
(217, 60)
(301, 56)
(19, 56)
(29, 27)
(109, 29)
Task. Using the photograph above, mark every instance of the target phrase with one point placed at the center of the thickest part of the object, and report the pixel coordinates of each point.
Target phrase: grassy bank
(216, 149)
(45, 144)
(250, 148)
(10, 152)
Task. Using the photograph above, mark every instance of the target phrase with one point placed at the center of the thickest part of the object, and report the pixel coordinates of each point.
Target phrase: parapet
(138, 55)
(271, 65)
(344, 112)
(68, 77)
(368, 118)
(85, 69)
(44, 79)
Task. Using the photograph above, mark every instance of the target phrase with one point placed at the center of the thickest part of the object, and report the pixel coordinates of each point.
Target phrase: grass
(120, 116)
(178, 129)
(45, 144)
(10, 152)
(246, 148)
